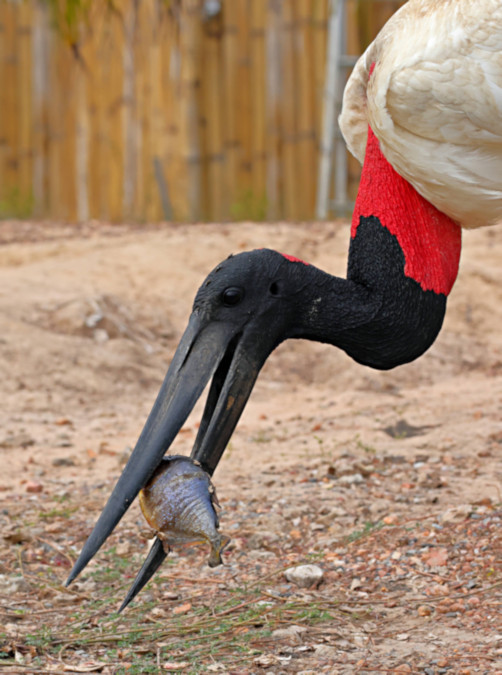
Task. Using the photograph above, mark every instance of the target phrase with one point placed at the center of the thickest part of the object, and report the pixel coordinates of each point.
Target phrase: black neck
(379, 316)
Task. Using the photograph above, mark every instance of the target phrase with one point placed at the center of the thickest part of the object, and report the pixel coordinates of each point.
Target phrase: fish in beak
(179, 503)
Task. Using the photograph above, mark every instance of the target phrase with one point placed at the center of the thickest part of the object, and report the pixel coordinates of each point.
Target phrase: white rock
(459, 512)
(325, 652)
(351, 479)
(305, 576)
(290, 632)
(265, 660)
(11, 585)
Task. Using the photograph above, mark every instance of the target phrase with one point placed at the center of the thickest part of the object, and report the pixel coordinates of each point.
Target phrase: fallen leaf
(182, 609)
(289, 632)
(437, 557)
(175, 665)
(107, 451)
(404, 430)
(265, 660)
(391, 519)
(84, 668)
(17, 441)
(15, 535)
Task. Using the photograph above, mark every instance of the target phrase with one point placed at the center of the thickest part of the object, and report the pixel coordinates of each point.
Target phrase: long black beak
(207, 349)
(152, 562)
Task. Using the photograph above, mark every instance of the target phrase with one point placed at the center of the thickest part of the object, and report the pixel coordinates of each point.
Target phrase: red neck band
(430, 240)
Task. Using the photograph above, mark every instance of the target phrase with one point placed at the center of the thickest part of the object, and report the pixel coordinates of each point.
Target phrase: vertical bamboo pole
(81, 146)
(170, 104)
(319, 37)
(243, 107)
(150, 142)
(354, 46)
(67, 67)
(305, 105)
(172, 158)
(10, 113)
(25, 107)
(359, 28)
(55, 130)
(288, 115)
(3, 106)
(319, 42)
(155, 147)
(190, 180)
(92, 93)
(103, 57)
(115, 107)
(100, 60)
(229, 111)
(142, 97)
(211, 83)
(273, 101)
(82, 128)
(258, 115)
(39, 84)
(139, 95)
(130, 130)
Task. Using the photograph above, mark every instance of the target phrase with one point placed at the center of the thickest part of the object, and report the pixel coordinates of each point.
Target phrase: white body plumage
(434, 102)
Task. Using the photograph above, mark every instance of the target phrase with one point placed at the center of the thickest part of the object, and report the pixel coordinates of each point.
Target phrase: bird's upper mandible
(434, 101)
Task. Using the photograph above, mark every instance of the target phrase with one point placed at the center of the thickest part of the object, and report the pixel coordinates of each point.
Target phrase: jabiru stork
(423, 111)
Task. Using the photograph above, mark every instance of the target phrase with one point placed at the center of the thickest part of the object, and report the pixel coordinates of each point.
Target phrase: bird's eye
(232, 296)
(274, 288)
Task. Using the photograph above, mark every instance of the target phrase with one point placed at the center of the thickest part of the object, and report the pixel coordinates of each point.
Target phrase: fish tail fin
(217, 548)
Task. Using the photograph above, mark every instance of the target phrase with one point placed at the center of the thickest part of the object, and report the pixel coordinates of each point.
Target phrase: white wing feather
(435, 103)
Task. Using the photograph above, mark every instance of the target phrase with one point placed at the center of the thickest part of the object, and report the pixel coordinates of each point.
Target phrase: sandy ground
(91, 315)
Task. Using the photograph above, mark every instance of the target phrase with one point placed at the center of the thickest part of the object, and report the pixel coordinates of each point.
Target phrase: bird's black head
(256, 293)
(246, 306)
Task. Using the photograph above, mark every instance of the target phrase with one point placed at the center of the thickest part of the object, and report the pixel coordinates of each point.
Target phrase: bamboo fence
(151, 110)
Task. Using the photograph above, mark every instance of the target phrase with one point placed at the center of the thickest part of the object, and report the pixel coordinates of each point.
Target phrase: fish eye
(232, 296)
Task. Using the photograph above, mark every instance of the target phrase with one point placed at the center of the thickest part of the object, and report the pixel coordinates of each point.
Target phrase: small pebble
(305, 576)
(63, 461)
(34, 487)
